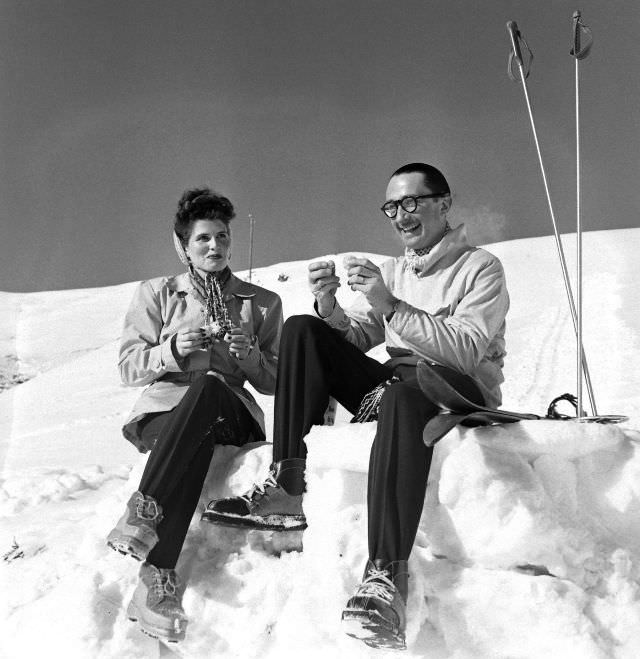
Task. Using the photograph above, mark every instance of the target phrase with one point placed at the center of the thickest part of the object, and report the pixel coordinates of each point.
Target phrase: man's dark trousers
(315, 363)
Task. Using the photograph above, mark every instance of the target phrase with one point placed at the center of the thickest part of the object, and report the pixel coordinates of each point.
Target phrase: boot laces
(259, 489)
(165, 584)
(377, 584)
(147, 509)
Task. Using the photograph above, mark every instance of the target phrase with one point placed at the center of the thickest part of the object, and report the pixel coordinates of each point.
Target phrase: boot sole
(371, 628)
(161, 633)
(127, 549)
(270, 523)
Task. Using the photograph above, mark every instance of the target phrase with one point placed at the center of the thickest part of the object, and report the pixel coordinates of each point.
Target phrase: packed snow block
(336, 496)
(567, 439)
(539, 495)
(544, 496)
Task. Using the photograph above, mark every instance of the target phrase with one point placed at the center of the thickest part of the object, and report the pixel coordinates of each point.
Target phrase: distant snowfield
(530, 539)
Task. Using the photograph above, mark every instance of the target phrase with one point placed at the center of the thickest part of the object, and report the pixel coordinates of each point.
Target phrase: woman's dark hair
(200, 204)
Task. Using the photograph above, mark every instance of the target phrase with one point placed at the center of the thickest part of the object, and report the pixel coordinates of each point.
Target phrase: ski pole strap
(515, 54)
(582, 38)
(370, 404)
(552, 412)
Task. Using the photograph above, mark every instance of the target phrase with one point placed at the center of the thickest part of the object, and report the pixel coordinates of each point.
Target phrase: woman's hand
(189, 340)
(240, 343)
(323, 283)
(365, 276)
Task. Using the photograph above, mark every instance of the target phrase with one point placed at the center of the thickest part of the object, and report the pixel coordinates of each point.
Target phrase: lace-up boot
(156, 604)
(135, 533)
(273, 505)
(376, 614)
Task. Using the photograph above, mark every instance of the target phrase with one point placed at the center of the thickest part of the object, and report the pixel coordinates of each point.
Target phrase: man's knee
(303, 325)
(399, 393)
(405, 399)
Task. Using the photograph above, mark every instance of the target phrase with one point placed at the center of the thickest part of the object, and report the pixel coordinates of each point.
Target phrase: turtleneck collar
(453, 243)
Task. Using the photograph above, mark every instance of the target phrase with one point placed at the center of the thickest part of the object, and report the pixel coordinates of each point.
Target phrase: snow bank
(529, 543)
(525, 547)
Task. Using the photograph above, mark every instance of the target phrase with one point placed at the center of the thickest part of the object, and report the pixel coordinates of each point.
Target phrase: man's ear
(445, 204)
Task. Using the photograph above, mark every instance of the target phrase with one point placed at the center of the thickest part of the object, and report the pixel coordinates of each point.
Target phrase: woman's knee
(208, 385)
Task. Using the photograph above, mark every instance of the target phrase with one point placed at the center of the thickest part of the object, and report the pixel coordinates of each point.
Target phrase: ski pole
(516, 54)
(251, 225)
(579, 51)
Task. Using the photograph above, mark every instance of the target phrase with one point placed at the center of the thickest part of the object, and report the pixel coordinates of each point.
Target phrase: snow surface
(529, 544)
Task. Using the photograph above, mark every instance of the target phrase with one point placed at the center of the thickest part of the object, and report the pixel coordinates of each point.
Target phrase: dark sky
(298, 111)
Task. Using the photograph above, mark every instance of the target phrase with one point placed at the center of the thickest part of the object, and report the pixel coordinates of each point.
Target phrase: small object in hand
(350, 260)
(215, 330)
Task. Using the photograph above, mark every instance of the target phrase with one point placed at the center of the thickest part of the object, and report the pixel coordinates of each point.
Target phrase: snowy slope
(571, 506)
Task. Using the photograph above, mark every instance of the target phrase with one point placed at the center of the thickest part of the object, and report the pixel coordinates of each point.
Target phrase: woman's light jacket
(163, 306)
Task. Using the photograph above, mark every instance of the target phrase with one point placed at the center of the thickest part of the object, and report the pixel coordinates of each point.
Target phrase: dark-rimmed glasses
(409, 204)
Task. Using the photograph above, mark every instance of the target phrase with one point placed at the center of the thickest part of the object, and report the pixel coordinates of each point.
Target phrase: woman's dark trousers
(209, 414)
(315, 363)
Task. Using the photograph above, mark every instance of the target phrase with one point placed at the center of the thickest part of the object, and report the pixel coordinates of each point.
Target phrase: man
(444, 301)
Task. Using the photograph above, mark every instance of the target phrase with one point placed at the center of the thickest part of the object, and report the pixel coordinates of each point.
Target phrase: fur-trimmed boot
(376, 614)
(273, 505)
(135, 533)
(156, 604)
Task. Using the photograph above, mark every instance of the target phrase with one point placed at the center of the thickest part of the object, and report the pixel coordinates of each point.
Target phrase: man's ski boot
(376, 614)
(135, 533)
(274, 505)
(156, 604)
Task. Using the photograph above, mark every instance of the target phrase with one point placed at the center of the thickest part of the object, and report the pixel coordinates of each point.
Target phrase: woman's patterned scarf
(209, 292)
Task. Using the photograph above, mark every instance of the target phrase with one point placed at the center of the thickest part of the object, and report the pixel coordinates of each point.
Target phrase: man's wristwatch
(394, 308)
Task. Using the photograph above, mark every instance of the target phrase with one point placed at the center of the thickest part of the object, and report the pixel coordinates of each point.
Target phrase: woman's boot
(135, 533)
(157, 604)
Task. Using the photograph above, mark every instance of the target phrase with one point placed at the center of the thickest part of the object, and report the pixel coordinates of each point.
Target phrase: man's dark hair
(433, 178)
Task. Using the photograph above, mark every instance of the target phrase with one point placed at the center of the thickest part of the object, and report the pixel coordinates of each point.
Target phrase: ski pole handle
(581, 37)
(514, 33)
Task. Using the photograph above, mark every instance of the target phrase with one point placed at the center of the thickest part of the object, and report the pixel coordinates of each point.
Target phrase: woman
(194, 339)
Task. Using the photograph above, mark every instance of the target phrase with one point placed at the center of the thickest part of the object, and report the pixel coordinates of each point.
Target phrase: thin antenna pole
(251, 226)
(514, 33)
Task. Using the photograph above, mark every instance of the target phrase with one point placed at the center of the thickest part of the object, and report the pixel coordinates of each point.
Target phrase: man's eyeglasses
(409, 204)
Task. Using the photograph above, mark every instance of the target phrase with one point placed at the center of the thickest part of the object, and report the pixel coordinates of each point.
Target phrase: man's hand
(239, 342)
(365, 276)
(323, 284)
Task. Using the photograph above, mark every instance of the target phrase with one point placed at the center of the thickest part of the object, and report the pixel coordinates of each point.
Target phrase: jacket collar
(234, 287)
(453, 244)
